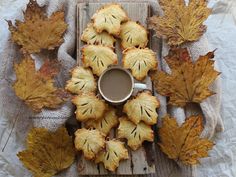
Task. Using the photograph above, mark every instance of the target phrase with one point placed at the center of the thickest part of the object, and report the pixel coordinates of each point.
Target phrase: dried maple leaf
(47, 152)
(181, 23)
(89, 141)
(113, 153)
(142, 108)
(135, 134)
(183, 143)
(188, 81)
(38, 32)
(106, 123)
(36, 88)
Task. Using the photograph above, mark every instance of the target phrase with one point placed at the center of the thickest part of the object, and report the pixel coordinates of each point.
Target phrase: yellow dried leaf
(135, 134)
(47, 152)
(113, 153)
(183, 143)
(142, 108)
(89, 141)
(181, 23)
(36, 88)
(38, 32)
(188, 81)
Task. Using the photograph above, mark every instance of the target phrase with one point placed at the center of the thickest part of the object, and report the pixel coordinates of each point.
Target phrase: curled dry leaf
(133, 35)
(82, 81)
(135, 134)
(106, 123)
(38, 32)
(98, 58)
(109, 18)
(183, 143)
(89, 141)
(140, 61)
(89, 107)
(47, 152)
(181, 23)
(142, 108)
(36, 88)
(188, 81)
(91, 36)
(113, 153)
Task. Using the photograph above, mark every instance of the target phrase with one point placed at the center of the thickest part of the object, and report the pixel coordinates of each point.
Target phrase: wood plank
(139, 162)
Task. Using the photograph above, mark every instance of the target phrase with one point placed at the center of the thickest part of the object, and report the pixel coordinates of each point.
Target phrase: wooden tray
(140, 161)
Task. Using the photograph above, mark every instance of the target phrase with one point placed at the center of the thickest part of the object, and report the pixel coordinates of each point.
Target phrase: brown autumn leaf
(47, 153)
(189, 81)
(181, 23)
(183, 143)
(36, 88)
(38, 31)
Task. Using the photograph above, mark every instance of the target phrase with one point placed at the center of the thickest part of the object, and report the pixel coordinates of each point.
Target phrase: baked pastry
(82, 81)
(98, 58)
(133, 35)
(139, 61)
(90, 142)
(109, 18)
(142, 108)
(91, 36)
(113, 153)
(106, 123)
(89, 107)
(135, 134)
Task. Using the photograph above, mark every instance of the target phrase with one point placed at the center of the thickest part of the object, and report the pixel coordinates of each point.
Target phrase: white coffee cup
(116, 85)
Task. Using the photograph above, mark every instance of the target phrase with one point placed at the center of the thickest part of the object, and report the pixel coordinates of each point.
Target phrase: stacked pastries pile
(108, 23)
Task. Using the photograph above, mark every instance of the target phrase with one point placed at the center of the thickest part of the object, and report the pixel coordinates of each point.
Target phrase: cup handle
(140, 86)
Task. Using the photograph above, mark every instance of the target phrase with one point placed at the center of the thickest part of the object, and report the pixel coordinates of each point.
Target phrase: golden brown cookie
(91, 36)
(135, 134)
(89, 141)
(113, 153)
(133, 35)
(82, 81)
(106, 123)
(142, 108)
(89, 107)
(109, 18)
(98, 58)
(139, 61)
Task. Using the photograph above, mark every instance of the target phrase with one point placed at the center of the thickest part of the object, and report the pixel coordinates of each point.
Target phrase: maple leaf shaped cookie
(91, 36)
(47, 153)
(89, 141)
(183, 142)
(106, 123)
(113, 153)
(140, 61)
(89, 107)
(38, 32)
(142, 108)
(133, 35)
(82, 81)
(135, 134)
(189, 81)
(36, 88)
(109, 18)
(98, 58)
(181, 23)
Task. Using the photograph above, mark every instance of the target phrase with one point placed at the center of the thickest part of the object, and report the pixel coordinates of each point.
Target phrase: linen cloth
(222, 158)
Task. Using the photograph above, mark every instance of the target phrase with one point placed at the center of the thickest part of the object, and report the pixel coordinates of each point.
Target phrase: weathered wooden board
(142, 160)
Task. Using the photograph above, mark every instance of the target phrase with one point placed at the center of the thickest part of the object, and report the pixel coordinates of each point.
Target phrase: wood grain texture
(141, 161)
